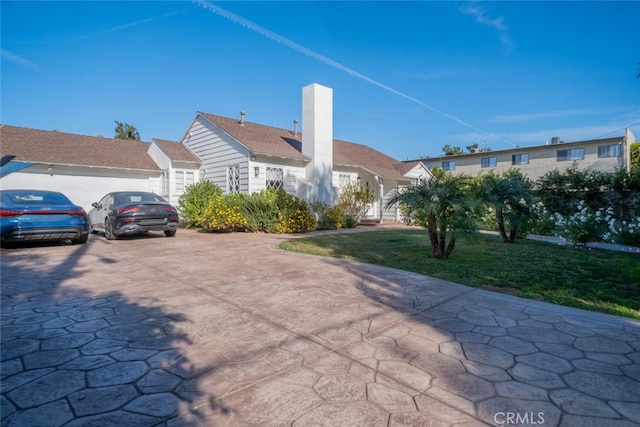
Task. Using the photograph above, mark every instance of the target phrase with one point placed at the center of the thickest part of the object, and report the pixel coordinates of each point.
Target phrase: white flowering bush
(543, 221)
(585, 225)
(623, 232)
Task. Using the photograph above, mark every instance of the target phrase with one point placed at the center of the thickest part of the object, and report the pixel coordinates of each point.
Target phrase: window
(520, 159)
(344, 180)
(275, 178)
(614, 150)
(183, 180)
(489, 162)
(571, 154)
(164, 182)
(233, 179)
(179, 181)
(449, 165)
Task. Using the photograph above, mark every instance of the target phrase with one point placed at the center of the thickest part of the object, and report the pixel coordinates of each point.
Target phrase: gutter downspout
(380, 197)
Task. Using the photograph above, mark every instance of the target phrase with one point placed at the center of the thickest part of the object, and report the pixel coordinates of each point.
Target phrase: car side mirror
(95, 205)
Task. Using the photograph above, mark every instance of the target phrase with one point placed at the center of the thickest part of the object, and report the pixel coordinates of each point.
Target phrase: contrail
(122, 27)
(328, 61)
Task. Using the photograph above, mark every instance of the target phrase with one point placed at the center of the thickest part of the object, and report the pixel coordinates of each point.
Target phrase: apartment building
(605, 155)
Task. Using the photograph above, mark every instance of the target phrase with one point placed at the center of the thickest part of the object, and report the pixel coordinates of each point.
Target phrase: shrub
(260, 210)
(294, 215)
(350, 222)
(271, 211)
(585, 225)
(220, 216)
(328, 218)
(195, 200)
(623, 232)
(543, 221)
(354, 200)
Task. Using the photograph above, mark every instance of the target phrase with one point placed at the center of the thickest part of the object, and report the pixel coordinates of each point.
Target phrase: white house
(235, 154)
(241, 156)
(87, 167)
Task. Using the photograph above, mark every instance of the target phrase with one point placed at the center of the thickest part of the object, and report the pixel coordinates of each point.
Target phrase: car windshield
(138, 198)
(36, 198)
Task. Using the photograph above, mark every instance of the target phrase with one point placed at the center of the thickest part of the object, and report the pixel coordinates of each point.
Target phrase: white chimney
(317, 140)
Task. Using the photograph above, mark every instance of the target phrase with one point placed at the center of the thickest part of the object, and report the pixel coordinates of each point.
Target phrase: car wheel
(170, 233)
(80, 240)
(108, 230)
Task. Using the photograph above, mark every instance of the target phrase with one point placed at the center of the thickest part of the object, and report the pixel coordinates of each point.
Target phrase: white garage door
(82, 190)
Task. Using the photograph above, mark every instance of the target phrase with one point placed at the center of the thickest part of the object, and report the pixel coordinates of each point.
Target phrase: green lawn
(591, 279)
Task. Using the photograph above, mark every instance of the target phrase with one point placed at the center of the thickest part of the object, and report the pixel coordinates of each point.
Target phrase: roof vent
(295, 127)
(556, 140)
(242, 113)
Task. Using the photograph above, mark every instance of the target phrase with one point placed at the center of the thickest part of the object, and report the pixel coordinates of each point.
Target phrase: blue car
(37, 215)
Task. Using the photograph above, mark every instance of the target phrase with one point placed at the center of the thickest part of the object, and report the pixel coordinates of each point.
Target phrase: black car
(38, 215)
(133, 212)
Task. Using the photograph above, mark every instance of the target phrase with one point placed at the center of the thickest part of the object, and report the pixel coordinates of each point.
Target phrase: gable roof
(352, 154)
(176, 151)
(261, 139)
(271, 141)
(405, 167)
(54, 147)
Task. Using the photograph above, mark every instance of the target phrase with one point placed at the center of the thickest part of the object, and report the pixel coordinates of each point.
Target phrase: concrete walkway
(228, 330)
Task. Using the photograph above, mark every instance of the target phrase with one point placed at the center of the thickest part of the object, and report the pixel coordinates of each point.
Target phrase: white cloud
(483, 18)
(17, 59)
(545, 115)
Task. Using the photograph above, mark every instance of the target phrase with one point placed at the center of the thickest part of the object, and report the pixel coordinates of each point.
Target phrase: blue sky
(408, 77)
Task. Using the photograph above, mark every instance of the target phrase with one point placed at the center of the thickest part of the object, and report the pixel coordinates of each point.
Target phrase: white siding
(293, 173)
(159, 156)
(217, 150)
(353, 177)
(82, 185)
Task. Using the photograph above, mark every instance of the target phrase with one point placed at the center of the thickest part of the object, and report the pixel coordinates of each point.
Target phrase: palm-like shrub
(509, 198)
(443, 205)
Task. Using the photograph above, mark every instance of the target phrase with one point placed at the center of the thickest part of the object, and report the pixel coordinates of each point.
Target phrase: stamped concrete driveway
(228, 330)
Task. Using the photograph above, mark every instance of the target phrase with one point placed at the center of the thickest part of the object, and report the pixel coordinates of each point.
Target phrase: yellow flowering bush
(220, 216)
(294, 215)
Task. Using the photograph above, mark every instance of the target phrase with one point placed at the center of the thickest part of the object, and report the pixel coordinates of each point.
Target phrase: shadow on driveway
(75, 355)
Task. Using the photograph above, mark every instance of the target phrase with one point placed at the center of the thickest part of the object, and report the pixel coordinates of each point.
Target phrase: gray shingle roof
(176, 151)
(54, 147)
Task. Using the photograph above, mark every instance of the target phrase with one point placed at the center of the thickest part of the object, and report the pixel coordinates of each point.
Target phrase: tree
(443, 205)
(448, 150)
(635, 156)
(510, 196)
(126, 131)
(473, 148)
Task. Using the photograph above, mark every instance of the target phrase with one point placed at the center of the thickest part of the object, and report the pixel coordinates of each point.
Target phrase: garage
(85, 168)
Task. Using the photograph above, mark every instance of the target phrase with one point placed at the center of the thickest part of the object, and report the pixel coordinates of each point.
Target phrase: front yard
(590, 279)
